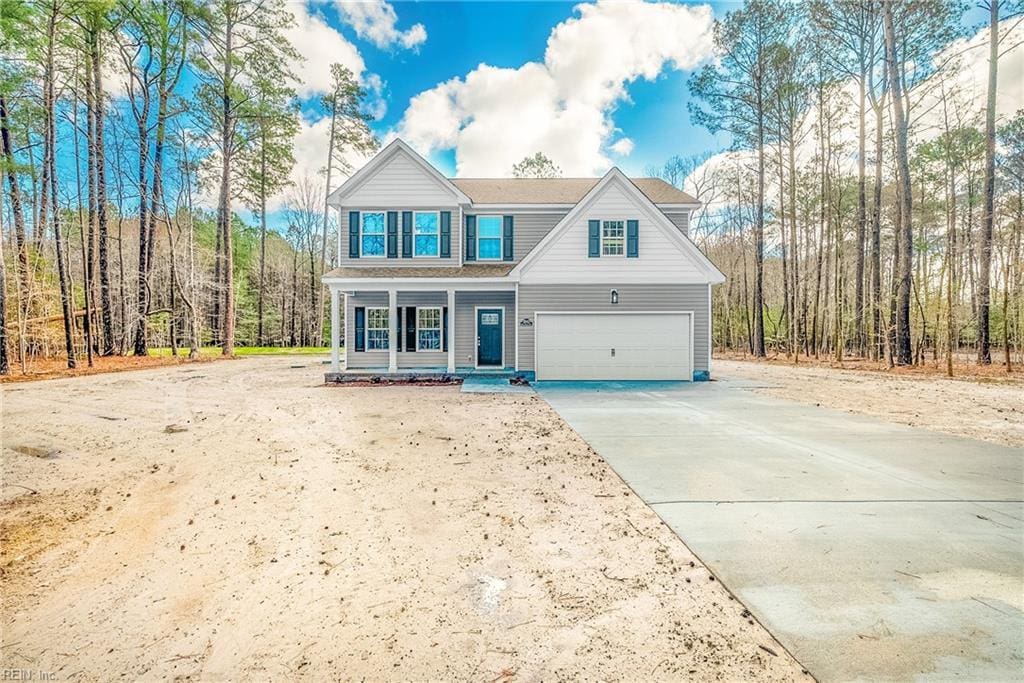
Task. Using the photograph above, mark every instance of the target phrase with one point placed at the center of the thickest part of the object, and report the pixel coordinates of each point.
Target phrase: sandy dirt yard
(235, 520)
(980, 408)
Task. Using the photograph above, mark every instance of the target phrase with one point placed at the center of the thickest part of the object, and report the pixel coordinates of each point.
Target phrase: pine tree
(736, 96)
(241, 38)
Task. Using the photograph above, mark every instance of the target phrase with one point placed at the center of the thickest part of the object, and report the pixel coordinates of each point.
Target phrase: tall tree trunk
(62, 269)
(263, 235)
(83, 230)
(878, 104)
(50, 166)
(858, 297)
(295, 290)
(224, 199)
(5, 365)
(89, 237)
(142, 293)
(101, 195)
(758, 346)
(985, 246)
(950, 269)
(327, 215)
(787, 314)
(17, 211)
(798, 323)
(903, 354)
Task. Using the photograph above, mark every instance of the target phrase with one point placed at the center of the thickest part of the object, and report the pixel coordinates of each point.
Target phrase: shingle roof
(468, 270)
(558, 190)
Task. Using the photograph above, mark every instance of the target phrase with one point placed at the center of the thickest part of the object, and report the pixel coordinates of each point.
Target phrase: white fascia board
(640, 279)
(421, 284)
(522, 208)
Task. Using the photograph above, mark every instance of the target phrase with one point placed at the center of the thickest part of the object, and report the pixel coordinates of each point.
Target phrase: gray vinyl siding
(680, 219)
(528, 229)
(379, 359)
(419, 261)
(465, 325)
(632, 297)
(401, 181)
(362, 359)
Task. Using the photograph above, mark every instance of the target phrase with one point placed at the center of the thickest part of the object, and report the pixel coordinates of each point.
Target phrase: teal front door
(489, 327)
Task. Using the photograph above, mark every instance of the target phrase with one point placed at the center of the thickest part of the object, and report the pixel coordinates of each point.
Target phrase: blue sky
(646, 110)
(509, 34)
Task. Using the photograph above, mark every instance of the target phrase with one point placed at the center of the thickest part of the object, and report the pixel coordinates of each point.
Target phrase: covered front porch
(421, 326)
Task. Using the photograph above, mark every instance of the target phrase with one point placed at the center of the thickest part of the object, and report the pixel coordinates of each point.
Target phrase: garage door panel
(646, 346)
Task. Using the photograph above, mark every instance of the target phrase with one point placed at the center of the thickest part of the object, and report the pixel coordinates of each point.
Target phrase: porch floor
(426, 372)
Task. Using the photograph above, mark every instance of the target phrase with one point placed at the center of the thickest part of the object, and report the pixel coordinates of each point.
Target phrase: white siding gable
(400, 182)
(662, 256)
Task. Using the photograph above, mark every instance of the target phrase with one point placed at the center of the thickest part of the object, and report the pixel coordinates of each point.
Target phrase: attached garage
(614, 346)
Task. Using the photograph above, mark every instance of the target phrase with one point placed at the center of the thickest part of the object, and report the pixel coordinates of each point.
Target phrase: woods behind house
(872, 205)
(121, 210)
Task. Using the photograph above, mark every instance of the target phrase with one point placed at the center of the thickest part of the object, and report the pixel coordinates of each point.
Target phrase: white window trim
(362, 218)
(439, 328)
(437, 252)
(501, 238)
(366, 327)
(623, 238)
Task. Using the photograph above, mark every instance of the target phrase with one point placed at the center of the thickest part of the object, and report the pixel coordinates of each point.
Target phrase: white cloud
(319, 45)
(970, 78)
(374, 20)
(623, 147)
(493, 117)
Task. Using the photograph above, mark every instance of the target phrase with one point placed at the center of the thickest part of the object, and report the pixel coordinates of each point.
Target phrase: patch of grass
(247, 351)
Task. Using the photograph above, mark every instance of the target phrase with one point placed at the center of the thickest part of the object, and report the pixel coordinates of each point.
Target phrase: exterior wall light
(615, 296)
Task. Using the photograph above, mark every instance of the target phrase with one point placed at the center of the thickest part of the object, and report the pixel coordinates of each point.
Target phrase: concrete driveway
(871, 550)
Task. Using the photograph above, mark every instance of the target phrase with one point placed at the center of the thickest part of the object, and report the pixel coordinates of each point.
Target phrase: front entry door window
(489, 326)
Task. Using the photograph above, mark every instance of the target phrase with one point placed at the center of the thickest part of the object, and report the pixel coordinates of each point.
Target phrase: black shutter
(360, 328)
(401, 326)
(594, 243)
(632, 239)
(446, 234)
(392, 234)
(410, 328)
(407, 234)
(471, 238)
(506, 248)
(353, 234)
(444, 329)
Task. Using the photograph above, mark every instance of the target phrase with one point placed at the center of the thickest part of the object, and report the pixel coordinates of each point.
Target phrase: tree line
(869, 206)
(110, 250)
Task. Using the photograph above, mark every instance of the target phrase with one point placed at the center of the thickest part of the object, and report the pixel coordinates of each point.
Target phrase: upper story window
(426, 226)
(377, 327)
(488, 238)
(428, 329)
(371, 239)
(613, 238)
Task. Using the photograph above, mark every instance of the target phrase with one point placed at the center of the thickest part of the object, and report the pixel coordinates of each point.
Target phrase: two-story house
(561, 278)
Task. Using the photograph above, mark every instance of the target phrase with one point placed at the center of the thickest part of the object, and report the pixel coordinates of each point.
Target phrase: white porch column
(393, 330)
(335, 330)
(451, 330)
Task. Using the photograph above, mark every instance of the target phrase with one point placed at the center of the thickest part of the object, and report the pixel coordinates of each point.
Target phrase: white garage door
(615, 346)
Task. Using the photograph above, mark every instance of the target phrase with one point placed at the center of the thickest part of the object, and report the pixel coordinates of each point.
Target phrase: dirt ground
(986, 408)
(51, 368)
(235, 520)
